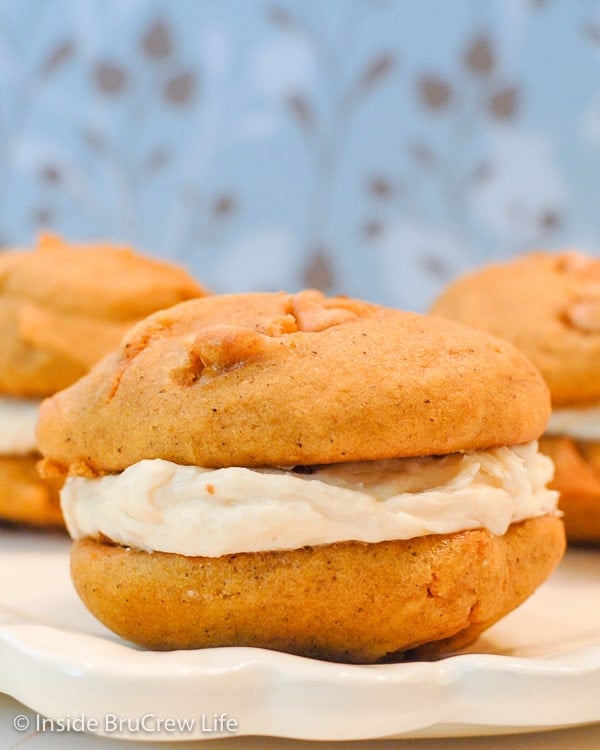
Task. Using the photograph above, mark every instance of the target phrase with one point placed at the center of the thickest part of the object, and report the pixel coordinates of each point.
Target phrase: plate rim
(272, 693)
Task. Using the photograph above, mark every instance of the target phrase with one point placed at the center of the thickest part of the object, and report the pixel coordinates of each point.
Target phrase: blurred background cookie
(548, 305)
(63, 307)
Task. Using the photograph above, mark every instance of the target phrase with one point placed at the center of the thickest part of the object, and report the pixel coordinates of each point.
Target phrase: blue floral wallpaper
(371, 147)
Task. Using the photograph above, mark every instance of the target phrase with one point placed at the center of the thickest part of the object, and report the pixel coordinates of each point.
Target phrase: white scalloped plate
(539, 668)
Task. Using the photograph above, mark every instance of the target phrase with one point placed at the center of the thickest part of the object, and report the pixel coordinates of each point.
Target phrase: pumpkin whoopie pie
(321, 476)
(62, 308)
(548, 305)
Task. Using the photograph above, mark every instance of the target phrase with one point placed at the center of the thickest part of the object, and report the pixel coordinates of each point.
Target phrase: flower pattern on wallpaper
(124, 154)
(489, 175)
(372, 147)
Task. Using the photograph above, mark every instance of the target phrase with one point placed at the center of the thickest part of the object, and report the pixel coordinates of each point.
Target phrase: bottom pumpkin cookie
(577, 478)
(351, 601)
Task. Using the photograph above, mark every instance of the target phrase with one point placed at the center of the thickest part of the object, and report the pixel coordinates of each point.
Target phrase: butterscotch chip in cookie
(548, 305)
(62, 308)
(315, 475)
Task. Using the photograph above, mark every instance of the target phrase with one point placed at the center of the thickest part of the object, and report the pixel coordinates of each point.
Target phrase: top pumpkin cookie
(277, 380)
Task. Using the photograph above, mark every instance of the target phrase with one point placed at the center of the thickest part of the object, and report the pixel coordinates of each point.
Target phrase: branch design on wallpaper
(326, 129)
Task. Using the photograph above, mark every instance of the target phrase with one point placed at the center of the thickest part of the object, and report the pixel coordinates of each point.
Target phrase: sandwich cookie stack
(62, 308)
(548, 305)
(321, 476)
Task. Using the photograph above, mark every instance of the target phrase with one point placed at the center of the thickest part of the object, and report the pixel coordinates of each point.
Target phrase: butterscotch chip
(348, 602)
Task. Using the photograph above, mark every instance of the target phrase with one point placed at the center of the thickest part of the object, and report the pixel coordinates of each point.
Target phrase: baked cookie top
(279, 380)
(548, 305)
(64, 306)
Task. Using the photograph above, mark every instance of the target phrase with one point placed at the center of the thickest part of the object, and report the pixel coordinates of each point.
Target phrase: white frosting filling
(162, 506)
(582, 423)
(18, 418)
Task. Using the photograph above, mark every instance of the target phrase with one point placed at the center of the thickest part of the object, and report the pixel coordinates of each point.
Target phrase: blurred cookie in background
(63, 306)
(548, 305)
